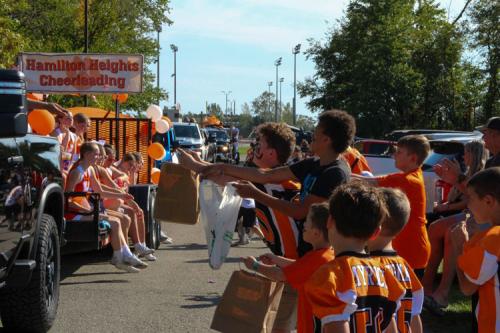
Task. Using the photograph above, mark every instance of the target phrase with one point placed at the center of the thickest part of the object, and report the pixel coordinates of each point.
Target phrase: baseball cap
(493, 123)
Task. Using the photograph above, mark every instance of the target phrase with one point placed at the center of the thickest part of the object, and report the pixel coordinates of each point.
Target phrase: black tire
(158, 233)
(34, 307)
(152, 235)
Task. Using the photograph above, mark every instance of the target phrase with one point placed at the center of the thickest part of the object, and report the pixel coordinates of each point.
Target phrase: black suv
(31, 215)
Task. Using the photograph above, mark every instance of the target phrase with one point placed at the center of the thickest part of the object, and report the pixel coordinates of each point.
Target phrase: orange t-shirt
(479, 262)
(297, 274)
(412, 243)
(356, 288)
(357, 162)
(412, 301)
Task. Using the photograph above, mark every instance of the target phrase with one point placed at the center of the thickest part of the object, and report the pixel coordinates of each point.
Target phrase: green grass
(457, 318)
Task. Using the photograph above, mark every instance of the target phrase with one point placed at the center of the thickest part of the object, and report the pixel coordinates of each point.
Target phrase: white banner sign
(82, 72)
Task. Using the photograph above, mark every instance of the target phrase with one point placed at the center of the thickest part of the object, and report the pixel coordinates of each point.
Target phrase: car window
(220, 135)
(182, 131)
(442, 150)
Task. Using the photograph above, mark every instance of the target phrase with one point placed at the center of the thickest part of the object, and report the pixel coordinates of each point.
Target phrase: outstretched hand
(249, 262)
(246, 189)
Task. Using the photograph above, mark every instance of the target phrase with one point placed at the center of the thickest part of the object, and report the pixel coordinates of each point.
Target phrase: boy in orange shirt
(398, 208)
(478, 268)
(353, 293)
(412, 243)
(297, 272)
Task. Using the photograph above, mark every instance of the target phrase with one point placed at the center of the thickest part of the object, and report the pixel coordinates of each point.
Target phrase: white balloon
(162, 126)
(153, 112)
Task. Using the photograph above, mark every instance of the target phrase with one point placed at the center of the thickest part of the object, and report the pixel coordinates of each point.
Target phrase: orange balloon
(156, 151)
(41, 121)
(155, 175)
(122, 98)
(144, 130)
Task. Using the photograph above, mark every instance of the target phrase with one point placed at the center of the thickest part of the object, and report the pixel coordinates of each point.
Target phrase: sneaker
(142, 251)
(150, 257)
(125, 267)
(165, 239)
(134, 261)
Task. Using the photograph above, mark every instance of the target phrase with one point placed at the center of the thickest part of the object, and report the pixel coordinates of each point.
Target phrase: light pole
(227, 94)
(175, 49)
(277, 63)
(158, 64)
(269, 84)
(281, 105)
(295, 51)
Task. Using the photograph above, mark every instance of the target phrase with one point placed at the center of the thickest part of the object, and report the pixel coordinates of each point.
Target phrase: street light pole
(277, 63)
(281, 103)
(158, 64)
(175, 49)
(269, 84)
(295, 51)
(227, 94)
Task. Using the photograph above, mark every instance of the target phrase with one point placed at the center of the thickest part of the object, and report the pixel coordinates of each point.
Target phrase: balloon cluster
(154, 113)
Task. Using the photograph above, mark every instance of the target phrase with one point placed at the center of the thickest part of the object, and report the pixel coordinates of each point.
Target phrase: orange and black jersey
(479, 262)
(281, 232)
(412, 301)
(356, 288)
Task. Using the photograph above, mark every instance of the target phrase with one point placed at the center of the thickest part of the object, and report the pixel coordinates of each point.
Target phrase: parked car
(429, 134)
(189, 137)
(450, 148)
(223, 143)
(210, 147)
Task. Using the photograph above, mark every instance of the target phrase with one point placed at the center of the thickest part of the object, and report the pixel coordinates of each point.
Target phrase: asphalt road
(178, 293)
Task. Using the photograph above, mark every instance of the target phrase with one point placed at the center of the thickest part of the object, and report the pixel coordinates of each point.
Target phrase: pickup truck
(31, 215)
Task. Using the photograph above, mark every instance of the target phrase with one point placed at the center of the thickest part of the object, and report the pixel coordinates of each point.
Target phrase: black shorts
(248, 215)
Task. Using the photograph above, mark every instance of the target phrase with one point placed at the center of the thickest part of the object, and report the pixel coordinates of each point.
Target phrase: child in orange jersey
(412, 243)
(357, 162)
(353, 293)
(478, 270)
(297, 272)
(398, 209)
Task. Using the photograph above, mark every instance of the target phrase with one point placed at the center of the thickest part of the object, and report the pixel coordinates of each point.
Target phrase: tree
(115, 26)
(214, 109)
(246, 121)
(485, 30)
(287, 114)
(389, 64)
(262, 106)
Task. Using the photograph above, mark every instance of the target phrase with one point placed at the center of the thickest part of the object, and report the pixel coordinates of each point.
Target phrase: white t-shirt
(13, 196)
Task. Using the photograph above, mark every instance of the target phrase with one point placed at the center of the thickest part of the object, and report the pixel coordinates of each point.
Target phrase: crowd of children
(359, 260)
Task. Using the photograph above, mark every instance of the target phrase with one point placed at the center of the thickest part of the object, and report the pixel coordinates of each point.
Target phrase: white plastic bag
(219, 208)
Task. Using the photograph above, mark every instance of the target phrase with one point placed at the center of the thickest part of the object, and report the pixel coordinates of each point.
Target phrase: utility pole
(281, 103)
(86, 48)
(277, 63)
(295, 51)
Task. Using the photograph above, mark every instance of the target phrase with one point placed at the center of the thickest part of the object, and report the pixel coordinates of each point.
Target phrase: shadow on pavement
(70, 263)
(184, 247)
(93, 282)
(202, 261)
(209, 300)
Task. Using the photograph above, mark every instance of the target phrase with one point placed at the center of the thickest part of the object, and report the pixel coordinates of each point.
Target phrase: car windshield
(219, 135)
(182, 131)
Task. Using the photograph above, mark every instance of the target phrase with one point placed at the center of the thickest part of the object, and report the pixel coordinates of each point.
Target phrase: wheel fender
(55, 191)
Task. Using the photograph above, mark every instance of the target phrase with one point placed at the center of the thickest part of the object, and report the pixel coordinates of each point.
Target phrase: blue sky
(231, 45)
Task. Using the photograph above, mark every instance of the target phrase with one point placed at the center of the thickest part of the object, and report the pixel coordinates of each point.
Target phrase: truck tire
(153, 233)
(34, 307)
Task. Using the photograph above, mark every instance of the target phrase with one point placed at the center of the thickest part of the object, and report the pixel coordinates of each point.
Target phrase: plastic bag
(219, 208)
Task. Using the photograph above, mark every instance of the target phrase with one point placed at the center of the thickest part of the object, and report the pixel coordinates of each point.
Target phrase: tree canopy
(115, 26)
